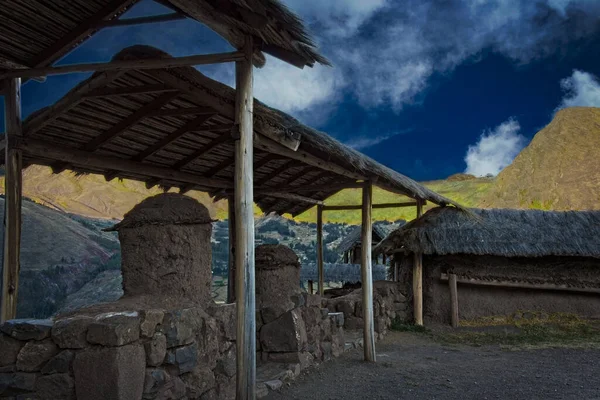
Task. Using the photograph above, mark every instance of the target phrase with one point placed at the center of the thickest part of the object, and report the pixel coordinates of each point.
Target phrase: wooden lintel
(125, 65)
(128, 90)
(76, 157)
(174, 16)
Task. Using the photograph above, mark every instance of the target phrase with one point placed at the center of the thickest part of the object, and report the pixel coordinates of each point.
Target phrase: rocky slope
(559, 170)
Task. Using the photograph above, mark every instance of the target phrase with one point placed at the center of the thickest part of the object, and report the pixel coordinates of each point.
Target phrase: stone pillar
(166, 249)
(277, 281)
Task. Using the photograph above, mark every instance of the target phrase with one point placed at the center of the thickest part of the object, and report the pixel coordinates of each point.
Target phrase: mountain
(558, 170)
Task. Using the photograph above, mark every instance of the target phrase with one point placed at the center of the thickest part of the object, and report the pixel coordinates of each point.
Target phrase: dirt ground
(414, 366)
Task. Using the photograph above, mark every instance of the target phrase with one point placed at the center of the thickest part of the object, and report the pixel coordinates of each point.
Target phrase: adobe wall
(481, 301)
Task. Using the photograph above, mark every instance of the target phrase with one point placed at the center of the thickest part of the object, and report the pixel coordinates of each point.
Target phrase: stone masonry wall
(149, 354)
(389, 303)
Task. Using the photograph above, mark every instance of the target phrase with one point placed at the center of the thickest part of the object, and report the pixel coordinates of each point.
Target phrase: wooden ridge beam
(174, 16)
(128, 90)
(72, 156)
(125, 65)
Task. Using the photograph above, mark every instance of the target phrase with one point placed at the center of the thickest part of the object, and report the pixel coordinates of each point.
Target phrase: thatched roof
(107, 116)
(499, 232)
(36, 33)
(354, 237)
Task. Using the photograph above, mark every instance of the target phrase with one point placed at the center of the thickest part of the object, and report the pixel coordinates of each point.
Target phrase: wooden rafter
(273, 174)
(127, 90)
(174, 16)
(176, 112)
(198, 153)
(219, 167)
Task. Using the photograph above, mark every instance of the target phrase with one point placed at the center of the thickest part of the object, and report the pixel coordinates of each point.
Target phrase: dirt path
(411, 366)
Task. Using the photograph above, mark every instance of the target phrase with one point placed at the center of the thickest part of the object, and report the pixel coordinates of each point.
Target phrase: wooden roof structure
(173, 127)
(37, 33)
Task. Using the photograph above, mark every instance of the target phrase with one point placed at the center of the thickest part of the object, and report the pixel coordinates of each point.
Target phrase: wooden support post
(320, 250)
(418, 278)
(231, 262)
(367, 273)
(395, 267)
(310, 287)
(244, 226)
(12, 207)
(453, 299)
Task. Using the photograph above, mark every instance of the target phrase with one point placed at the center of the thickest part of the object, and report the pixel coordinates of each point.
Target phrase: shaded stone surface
(60, 363)
(150, 319)
(182, 359)
(35, 354)
(155, 383)
(110, 373)
(227, 364)
(16, 383)
(71, 333)
(56, 386)
(115, 330)
(180, 326)
(156, 349)
(287, 333)
(27, 329)
(225, 315)
(9, 349)
(199, 381)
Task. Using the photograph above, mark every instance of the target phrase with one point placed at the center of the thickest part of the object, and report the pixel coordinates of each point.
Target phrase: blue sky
(427, 87)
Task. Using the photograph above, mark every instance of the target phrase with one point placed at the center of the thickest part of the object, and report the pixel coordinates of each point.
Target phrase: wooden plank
(80, 33)
(231, 262)
(367, 273)
(273, 174)
(176, 112)
(220, 167)
(125, 65)
(188, 127)
(13, 190)
(375, 206)
(453, 299)
(198, 153)
(290, 196)
(418, 278)
(128, 90)
(244, 226)
(320, 188)
(523, 285)
(72, 156)
(174, 16)
(320, 250)
(395, 266)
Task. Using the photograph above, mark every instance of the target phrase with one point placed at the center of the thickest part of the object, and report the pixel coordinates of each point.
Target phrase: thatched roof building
(499, 232)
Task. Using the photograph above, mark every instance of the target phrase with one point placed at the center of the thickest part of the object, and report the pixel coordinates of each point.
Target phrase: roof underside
(499, 232)
(180, 120)
(354, 238)
(36, 33)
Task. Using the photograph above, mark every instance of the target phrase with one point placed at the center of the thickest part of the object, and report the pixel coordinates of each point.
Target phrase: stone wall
(389, 303)
(149, 354)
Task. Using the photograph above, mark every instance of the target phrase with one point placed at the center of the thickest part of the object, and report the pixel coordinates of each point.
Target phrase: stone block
(324, 313)
(399, 306)
(9, 349)
(180, 326)
(337, 318)
(212, 394)
(326, 350)
(56, 387)
(313, 300)
(286, 334)
(226, 318)
(34, 355)
(298, 299)
(110, 373)
(261, 390)
(150, 319)
(304, 358)
(311, 316)
(71, 333)
(346, 306)
(155, 380)
(353, 323)
(380, 324)
(15, 383)
(227, 364)
(156, 350)
(199, 382)
(27, 329)
(208, 347)
(182, 359)
(225, 387)
(115, 329)
(60, 363)
(275, 384)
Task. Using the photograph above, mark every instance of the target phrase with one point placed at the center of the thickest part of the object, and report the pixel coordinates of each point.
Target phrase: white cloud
(581, 89)
(363, 142)
(495, 149)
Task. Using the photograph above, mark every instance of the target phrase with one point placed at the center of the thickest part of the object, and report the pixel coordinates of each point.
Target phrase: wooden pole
(453, 299)
(231, 261)
(12, 207)
(310, 287)
(418, 278)
(244, 226)
(320, 249)
(395, 267)
(367, 273)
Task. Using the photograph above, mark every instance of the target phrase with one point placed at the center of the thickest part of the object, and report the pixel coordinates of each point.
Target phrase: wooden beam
(453, 299)
(269, 145)
(291, 196)
(320, 188)
(174, 16)
(128, 90)
(176, 112)
(125, 65)
(198, 153)
(282, 168)
(367, 273)
(244, 226)
(76, 157)
(13, 189)
(231, 262)
(220, 167)
(320, 250)
(82, 31)
(179, 132)
(66, 103)
(375, 206)
(418, 278)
